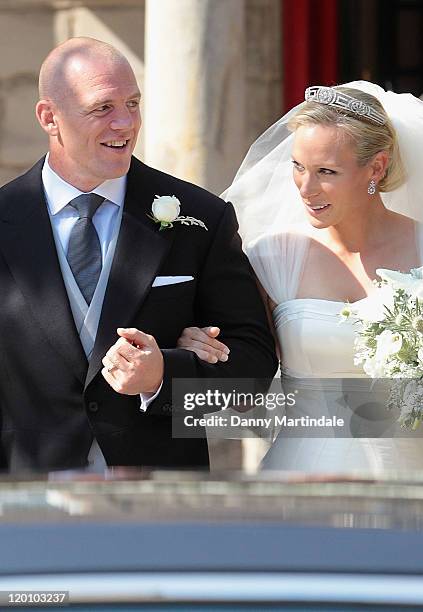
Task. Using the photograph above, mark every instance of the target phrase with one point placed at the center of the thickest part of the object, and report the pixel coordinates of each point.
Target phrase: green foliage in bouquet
(389, 340)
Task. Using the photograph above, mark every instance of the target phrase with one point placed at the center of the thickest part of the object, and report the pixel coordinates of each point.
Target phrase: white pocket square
(159, 281)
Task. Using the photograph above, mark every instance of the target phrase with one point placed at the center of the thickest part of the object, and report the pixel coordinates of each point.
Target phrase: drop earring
(371, 189)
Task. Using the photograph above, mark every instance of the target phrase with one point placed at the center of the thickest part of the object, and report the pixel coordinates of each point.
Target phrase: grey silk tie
(84, 250)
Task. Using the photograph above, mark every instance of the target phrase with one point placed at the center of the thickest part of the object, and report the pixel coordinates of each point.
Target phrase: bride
(326, 196)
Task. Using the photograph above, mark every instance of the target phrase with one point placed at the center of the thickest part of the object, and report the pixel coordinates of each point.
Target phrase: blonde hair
(368, 138)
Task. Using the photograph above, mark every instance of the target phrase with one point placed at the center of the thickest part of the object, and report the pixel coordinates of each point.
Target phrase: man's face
(97, 121)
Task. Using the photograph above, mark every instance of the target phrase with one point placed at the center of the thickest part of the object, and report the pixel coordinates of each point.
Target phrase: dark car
(195, 542)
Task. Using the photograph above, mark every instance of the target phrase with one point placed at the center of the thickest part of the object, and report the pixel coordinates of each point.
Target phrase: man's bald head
(63, 63)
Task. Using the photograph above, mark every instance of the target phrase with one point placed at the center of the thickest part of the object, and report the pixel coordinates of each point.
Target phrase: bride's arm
(270, 305)
(203, 340)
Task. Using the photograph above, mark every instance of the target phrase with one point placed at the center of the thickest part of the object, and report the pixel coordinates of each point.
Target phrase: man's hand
(134, 364)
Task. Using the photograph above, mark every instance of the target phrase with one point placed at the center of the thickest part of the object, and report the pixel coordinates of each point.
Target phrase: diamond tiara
(342, 101)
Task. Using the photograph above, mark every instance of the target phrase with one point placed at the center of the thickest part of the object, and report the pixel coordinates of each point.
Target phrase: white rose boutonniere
(165, 210)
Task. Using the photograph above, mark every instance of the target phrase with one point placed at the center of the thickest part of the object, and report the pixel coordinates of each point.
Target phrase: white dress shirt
(63, 217)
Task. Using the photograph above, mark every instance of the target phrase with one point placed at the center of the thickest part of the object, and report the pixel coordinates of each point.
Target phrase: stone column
(117, 22)
(263, 29)
(195, 89)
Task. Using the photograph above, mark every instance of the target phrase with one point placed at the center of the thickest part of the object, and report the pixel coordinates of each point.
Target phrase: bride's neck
(359, 232)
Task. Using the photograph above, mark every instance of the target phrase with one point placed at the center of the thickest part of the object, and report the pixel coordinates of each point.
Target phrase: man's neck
(73, 179)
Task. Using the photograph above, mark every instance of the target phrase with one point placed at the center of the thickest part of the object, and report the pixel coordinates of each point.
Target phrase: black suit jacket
(52, 401)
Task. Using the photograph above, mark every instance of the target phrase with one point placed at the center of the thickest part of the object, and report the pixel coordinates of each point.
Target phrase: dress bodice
(314, 341)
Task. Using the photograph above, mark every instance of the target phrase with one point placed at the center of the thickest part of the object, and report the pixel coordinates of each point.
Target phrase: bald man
(94, 296)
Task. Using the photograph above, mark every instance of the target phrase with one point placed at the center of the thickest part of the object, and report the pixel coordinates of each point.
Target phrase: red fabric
(310, 46)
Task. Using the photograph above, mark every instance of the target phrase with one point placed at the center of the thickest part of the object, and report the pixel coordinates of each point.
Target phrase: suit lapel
(140, 251)
(28, 247)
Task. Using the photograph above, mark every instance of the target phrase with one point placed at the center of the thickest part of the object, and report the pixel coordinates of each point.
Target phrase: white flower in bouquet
(372, 309)
(373, 367)
(412, 282)
(389, 341)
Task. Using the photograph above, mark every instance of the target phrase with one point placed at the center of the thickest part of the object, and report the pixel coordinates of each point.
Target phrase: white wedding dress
(317, 361)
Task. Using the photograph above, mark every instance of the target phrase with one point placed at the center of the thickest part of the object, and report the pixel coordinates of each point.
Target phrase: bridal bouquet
(389, 342)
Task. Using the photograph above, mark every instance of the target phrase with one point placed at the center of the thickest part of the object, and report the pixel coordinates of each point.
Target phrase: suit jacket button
(93, 406)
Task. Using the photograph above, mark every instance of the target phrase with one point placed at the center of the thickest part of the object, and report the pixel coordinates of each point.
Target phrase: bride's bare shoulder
(402, 227)
(399, 220)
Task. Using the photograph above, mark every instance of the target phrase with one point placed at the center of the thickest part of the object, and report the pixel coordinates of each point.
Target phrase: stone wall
(29, 29)
(26, 36)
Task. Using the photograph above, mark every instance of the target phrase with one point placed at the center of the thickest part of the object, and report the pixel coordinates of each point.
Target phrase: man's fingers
(127, 351)
(114, 363)
(116, 354)
(135, 336)
(109, 376)
(114, 379)
(138, 361)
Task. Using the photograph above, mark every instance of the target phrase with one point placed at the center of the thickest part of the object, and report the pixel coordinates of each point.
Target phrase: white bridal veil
(263, 191)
